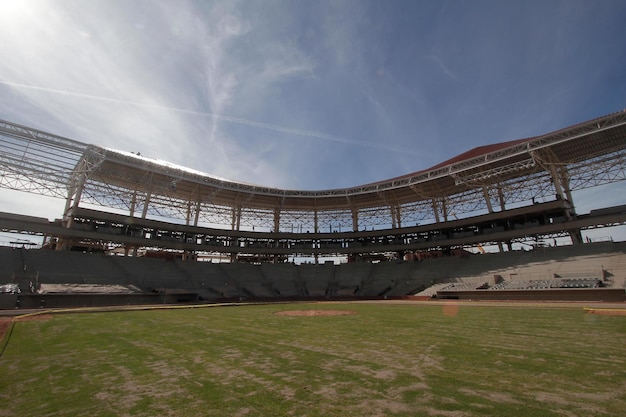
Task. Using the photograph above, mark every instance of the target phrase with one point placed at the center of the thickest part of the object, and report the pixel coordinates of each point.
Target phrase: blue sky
(308, 94)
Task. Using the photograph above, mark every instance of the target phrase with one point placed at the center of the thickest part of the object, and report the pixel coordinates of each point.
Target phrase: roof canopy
(518, 170)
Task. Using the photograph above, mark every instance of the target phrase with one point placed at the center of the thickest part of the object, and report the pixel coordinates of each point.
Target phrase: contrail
(230, 119)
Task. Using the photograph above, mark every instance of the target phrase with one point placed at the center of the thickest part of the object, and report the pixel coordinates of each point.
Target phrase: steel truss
(485, 180)
(37, 162)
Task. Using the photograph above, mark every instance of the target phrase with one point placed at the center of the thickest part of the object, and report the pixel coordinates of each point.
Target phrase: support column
(568, 191)
(236, 218)
(131, 213)
(133, 203)
(188, 214)
(501, 198)
(61, 242)
(235, 225)
(436, 210)
(556, 181)
(570, 211)
(355, 220)
(490, 209)
(397, 211)
(187, 254)
(197, 214)
(277, 220)
(144, 213)
(71, 204)
(487, 199)
(560, 180)
(509, 245)
(76, 200)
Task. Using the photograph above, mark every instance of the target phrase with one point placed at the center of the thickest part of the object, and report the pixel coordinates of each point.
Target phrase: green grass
(386, 360)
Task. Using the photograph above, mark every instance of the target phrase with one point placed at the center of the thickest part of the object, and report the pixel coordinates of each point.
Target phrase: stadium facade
(494, 195)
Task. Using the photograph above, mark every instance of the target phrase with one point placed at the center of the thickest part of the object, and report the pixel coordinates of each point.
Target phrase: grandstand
(146, 228)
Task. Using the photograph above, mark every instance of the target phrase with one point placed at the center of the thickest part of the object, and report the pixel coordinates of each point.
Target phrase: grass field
(384, 360)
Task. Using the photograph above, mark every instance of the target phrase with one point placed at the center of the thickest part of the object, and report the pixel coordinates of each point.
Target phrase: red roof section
(482, 150)
(472, 153)
(478, 151)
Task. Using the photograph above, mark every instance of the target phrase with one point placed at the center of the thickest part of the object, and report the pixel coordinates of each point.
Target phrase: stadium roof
(570, 145)
(36, 161)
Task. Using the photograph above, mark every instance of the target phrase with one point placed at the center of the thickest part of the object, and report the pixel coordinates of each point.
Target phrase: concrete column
(394, 220)
(276, 220)
(197, 214)
(146, 203)
(236, 218)
(144, 213)
(436, 210)
(487, 199)
(490, 209)
(71, 204)
(575, 234)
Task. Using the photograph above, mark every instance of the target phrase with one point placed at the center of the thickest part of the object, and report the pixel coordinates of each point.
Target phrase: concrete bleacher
(432, 290)
(350, 277)
(249, 280)
(209, 280)
(540, 284)
(317, 280)
(574, 267)
(455, 284)
(568, 267)
(13, 270)
(71, 268)
(384, 277)
(12, 262)
(153, 275)
(283, 278)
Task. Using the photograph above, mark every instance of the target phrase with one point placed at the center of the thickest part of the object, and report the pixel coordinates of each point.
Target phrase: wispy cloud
(229, 119)
(280, 92)
(444, 68)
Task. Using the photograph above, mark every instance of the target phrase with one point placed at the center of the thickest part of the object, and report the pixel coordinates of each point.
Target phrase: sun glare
(10, 9)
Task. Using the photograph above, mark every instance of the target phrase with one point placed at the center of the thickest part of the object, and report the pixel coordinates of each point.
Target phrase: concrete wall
(557, 294)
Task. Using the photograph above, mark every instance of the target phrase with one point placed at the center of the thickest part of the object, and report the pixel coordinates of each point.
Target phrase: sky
(307, 94)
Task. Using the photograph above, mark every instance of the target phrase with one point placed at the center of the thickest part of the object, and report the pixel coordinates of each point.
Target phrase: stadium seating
(249, 280)
(283, 278)
(350, 277)
(574, 267)
(317, 280)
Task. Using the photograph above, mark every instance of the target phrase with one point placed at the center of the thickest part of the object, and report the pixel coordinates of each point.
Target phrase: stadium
(453, 291)
(141, 231)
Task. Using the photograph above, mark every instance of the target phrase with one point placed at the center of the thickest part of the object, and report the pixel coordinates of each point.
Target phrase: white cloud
(74, 67)
(317, 93)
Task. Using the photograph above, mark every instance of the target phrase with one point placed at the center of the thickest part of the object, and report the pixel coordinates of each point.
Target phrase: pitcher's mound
(311, 313)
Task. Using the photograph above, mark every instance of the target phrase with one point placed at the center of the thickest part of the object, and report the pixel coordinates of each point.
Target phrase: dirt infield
(314, 313)
(5, 322)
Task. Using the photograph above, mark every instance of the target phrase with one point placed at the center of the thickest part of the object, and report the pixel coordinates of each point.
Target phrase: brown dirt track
(314, 313)
(5, 322)
(606, 311)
